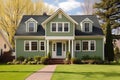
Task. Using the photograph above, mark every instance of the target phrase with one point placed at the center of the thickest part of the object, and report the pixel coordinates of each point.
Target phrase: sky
(69, 6)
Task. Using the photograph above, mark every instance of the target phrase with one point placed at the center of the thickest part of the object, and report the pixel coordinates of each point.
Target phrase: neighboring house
(4, 43)
(59, 33)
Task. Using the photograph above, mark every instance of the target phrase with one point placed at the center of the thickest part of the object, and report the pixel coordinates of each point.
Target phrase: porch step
(57, 61)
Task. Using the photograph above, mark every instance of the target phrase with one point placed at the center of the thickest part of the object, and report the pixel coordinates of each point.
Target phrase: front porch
(59, 48)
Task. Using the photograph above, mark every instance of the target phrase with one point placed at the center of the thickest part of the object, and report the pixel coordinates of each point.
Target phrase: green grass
(17, 72)
(87, 72)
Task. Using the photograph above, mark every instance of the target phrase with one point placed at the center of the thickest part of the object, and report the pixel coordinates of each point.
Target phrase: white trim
(40, 45)
(103, 50)
(54, 14)
(29, 37)
(96, 36)
(78, 41)
(69, 45)
(72, 50)
(59, 37)
(47, 47)
(86, 20)
(63, 26)
(31, 20)
(89, 45)
(55, 52)
(30, 41)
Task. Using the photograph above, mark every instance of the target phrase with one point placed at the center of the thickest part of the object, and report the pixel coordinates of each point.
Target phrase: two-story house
(59, 33)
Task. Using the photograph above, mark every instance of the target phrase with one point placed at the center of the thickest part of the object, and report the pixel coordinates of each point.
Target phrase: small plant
(37, 58)
(75, 61)
(68, 55)
(86, 57)
(20, 58)
(44, 60)
(49, 55)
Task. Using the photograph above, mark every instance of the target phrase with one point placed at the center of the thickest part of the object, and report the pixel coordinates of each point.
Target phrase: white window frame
(40, 45)
(77, 41)
(62, 27)
(89, 45)
(27, 25)
(90, 26)
(30, 45)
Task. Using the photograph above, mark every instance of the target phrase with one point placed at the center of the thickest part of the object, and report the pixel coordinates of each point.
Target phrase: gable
(59, 11)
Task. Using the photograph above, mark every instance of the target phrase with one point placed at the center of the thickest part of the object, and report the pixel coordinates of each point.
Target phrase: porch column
(47, 47)
(69, 45)
(72, 54)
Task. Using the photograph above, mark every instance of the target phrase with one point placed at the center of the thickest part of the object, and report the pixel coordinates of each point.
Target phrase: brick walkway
(43, 74)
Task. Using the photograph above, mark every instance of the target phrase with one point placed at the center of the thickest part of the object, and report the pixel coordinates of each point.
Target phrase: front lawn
(87, 72)
(17, 72)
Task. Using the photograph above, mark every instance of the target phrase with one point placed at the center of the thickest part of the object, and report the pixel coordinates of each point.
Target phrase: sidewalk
(43, 74)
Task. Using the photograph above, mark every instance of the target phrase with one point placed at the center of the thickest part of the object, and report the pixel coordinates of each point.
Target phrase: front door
(58, 49)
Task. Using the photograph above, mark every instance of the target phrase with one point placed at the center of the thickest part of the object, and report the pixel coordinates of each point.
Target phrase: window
(31, 26)
(87, 27)
(85, 45)
(53, 26)
(30, 45)
(42, 46)
(66, 27)
(54, 47)
(27, 48)
(34, 45)
(77, 46)
(60, 27)
(89, 45)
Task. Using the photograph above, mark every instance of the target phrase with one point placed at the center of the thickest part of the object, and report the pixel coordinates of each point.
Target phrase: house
(59, 33)
(4, 43)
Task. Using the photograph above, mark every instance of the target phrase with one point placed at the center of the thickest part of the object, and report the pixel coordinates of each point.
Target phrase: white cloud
(69, 5)
(52, 6)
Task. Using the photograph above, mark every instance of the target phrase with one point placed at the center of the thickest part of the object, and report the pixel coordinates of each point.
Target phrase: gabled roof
(22, 26)
(96, 26)
(54, 14)
(5, 39)
(21, 31)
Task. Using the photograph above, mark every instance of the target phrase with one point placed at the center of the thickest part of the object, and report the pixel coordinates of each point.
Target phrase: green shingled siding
(98, 52)
(56, 19)
(20, 49)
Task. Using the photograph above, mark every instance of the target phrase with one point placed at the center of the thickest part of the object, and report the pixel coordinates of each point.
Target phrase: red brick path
(43, 74)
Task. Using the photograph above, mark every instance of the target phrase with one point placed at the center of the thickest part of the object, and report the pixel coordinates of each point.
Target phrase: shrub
(68, 56)
(86, 57)
(20, 58)
(37, 58)
(44, 60)
(76, 61)
(49, 55)
(30, 59)
(9, 63)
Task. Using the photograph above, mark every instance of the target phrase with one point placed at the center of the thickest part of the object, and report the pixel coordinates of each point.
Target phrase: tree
(12, 11)
(108, 10)
(87, 6)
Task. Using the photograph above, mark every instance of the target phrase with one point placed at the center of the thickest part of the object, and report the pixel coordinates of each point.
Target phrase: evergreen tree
(108, 12)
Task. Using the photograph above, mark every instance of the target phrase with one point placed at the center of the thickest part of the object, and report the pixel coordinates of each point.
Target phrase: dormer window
(86, 25)
(31, 25)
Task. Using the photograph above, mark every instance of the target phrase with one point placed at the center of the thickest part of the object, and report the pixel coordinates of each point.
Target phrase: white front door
(58, 49)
